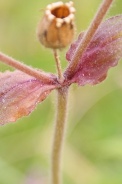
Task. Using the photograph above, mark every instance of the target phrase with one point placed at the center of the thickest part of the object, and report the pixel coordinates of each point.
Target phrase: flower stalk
(58, 66)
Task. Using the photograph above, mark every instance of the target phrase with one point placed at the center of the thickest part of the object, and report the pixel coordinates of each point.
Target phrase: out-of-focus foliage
(93, 150)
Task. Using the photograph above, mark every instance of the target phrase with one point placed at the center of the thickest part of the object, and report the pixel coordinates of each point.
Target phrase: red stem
(47, 78)
(87, 37)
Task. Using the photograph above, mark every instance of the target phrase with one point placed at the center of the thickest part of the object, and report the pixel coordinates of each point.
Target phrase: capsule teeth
(72, 10)
(67, 20)
(69, 4)
(47, 12)
(59, 22)
(71, 16)
(49, 7)
(57, 4)
(51, 17)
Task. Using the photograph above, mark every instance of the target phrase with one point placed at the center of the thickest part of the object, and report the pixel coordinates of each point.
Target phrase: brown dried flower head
(56, 29)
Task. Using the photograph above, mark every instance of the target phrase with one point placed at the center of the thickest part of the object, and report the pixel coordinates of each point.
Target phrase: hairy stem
(88, 36)
(26, 69)
(59, 133)
(58, 65)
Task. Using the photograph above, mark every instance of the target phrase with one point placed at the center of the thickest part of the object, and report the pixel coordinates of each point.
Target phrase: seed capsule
(56, 29)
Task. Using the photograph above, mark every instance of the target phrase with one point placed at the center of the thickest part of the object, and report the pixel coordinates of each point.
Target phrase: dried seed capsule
(56, 29)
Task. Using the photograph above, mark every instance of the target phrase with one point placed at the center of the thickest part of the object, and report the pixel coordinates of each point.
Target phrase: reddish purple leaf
(103, 52)
(19, 95)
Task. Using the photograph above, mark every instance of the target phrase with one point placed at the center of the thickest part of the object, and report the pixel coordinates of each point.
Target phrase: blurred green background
(93, 149)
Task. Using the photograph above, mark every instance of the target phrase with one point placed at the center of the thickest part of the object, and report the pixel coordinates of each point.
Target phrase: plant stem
(58, 65)
(26, 69)
(62, 98)
(88, 36)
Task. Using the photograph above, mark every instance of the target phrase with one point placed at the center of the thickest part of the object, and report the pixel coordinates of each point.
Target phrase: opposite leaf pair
(20, 93)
